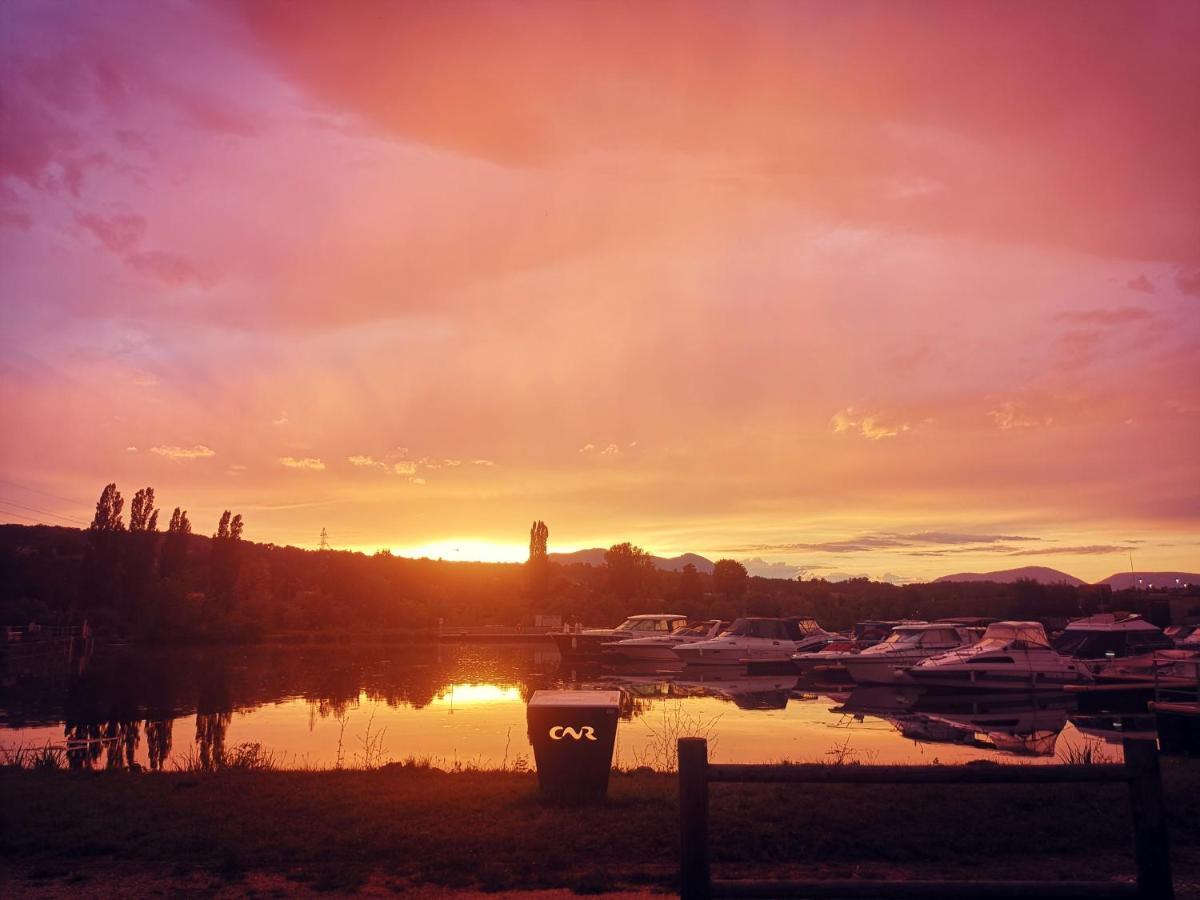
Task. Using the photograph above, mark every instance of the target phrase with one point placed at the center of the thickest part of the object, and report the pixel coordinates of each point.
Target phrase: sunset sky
(896, 289)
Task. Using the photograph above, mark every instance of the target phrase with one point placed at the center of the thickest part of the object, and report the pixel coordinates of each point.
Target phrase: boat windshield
(700, 629)
(759, 628)
(902, 636)
(808, 626)
(872, 631)
(645, 626)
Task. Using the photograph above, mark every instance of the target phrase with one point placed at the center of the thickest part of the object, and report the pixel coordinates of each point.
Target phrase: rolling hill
(595, 557)
(1125, 580)
(1041, 574)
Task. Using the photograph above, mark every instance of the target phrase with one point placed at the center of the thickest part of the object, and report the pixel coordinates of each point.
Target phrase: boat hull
(880, 669)
(664, 654)
(580, 646)
(964, 679)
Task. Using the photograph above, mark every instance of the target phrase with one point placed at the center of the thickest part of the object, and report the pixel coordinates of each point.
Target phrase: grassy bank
(340, 829)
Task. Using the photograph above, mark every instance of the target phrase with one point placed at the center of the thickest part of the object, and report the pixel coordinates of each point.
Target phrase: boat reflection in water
(1025, 725)
(133, 707)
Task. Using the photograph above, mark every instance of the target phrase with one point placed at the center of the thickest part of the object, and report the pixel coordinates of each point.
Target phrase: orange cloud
(198, 451)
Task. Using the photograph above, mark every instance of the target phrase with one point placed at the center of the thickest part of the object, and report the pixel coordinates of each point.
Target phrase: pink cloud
(509, 231)
(832, 107)
(120, 233)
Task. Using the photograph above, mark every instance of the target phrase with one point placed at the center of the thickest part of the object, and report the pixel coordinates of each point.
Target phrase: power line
(44, 512)
(43, 493)
(30, 519)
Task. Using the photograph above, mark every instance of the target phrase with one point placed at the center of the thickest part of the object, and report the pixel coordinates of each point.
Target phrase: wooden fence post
(695, 881)
(1150, 847)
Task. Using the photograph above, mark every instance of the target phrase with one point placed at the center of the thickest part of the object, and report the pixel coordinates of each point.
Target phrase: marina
(460, 704)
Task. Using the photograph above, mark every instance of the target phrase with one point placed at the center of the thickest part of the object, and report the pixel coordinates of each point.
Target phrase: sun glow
(467, 550)
(476, 694)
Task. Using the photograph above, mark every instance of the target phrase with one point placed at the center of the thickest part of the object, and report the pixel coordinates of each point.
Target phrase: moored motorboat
(586, 643)
(1009, 656)
(828, 660)
(756, 639)
(659, 648)
(1111, 642)
(906, 646)
(1185, 637)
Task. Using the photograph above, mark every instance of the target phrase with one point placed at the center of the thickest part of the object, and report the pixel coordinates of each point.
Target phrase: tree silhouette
(102, 569)
(538, 567)
(630, 570)
(689, 591)
(142, 514)
(108, 511)
(539, 537)
(730, 579)
(143, 550)
(225, 559)
(175, 547)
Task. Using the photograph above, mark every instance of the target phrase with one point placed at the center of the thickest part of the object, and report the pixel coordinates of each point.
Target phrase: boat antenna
(1132, 574)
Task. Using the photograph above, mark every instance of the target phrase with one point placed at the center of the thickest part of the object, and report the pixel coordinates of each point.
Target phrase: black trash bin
(572, 733)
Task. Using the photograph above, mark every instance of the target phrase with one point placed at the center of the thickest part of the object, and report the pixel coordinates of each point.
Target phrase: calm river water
(464, 705)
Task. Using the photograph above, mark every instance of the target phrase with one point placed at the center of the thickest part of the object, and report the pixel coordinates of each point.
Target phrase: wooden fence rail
(1140, 771)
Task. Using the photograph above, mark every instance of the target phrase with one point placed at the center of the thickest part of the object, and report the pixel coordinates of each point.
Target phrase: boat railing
(1182, 685)
(1140, 771)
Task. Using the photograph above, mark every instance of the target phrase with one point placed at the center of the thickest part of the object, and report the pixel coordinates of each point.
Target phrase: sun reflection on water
(475, 694)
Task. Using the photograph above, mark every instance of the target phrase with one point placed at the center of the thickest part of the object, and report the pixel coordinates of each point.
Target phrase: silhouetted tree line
(142, 583)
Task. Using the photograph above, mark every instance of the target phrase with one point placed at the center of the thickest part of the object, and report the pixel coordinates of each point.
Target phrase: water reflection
(132, 707)
(1024, 724)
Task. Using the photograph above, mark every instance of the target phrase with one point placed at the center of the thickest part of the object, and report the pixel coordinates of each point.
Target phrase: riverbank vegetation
(130, 580)
(411, 824)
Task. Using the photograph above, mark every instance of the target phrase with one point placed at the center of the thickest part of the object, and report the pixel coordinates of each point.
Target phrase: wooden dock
(23, 642)
(500, 634)
(1176, 709)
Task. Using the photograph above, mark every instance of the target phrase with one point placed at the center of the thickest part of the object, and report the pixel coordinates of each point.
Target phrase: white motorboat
(586, 643)
(906, 646)
(1112, 641)
(756, 639)
(830, 657)
(1010, 656)
(1185, 637)
(660, 647)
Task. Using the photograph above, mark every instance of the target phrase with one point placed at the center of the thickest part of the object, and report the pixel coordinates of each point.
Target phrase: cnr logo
(558, 732)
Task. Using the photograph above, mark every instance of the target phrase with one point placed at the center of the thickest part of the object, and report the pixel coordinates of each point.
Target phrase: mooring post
(694, 877)
(1150, 848)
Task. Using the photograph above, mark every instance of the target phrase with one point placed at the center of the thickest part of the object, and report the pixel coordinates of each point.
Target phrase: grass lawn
(348, 829)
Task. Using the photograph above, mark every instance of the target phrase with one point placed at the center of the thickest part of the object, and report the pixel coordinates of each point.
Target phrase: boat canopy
(774, 629)
(1121, 621)
(1004, 632)
(652, 623)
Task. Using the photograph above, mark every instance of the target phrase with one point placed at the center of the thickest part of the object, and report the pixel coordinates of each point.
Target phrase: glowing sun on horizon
(467, 550)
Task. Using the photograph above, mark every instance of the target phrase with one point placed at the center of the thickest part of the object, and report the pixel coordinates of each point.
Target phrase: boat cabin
(651, 624)
(875, 630)
(1029, 634)
(792, 629)
(925, 635)
(1111, 635)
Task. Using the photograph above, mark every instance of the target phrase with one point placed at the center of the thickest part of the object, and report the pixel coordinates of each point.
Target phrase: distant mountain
(1008, 576)
(595, 557)
(1144, 580)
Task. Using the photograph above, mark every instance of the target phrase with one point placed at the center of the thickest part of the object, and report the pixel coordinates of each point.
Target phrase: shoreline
(356, 831)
